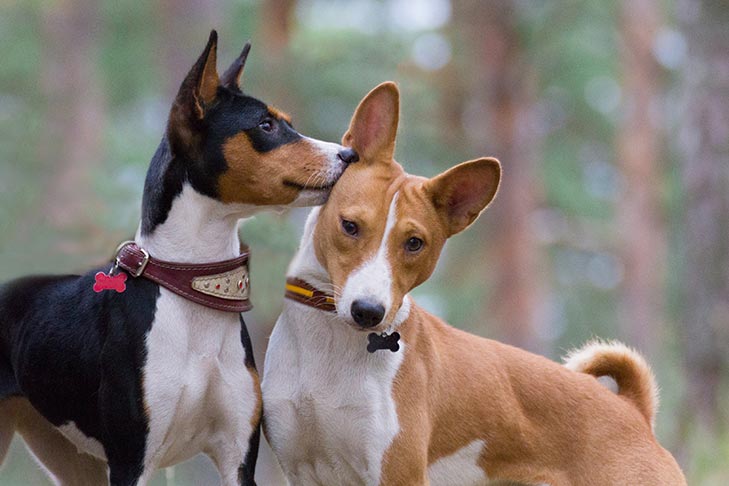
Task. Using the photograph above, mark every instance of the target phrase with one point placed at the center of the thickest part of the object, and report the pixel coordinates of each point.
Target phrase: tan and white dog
(440, 406)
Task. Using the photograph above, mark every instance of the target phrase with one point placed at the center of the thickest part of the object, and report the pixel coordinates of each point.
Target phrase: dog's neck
(198, 229)
(305, 265)
(181, 224)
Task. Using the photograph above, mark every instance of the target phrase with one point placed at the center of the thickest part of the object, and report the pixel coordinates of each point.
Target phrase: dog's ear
(200, 87)
(231, 78)
(462, 192)
(373, 128)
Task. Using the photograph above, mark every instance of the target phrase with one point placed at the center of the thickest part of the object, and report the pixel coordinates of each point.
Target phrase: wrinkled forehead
(367, 187)
(412, 199)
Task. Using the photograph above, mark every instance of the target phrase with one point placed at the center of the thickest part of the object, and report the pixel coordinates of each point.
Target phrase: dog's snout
(348, 156)
(367, 313)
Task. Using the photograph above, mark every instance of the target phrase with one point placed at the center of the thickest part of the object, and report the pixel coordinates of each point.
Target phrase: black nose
(348, 156)
(367, 313)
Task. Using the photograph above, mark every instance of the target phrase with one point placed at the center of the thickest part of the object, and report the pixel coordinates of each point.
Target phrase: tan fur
(56, 454)
(209, 81)
(281, 115)
(628, 368)
(540, 422)
(257, 414)
(265, 178)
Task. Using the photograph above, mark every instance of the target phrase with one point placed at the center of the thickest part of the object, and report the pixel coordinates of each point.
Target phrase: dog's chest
(330, 413)
(195, 379)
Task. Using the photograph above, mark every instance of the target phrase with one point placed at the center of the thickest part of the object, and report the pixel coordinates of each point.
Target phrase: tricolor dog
(115, 373)
(363, 387)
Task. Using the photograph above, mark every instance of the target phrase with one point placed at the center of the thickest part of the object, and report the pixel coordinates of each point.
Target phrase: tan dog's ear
(373, 128)
(462, 192)
(200, 86)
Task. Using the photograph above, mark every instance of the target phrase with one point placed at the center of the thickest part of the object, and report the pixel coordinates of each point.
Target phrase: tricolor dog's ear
(462, 192)
(231, 78)
(373, 128)
(200, 87)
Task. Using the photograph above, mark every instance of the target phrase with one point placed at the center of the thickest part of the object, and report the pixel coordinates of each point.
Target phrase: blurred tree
(74, 115)
(184, 26)
(499, 119)
(275, 30)
(640, 219)
(276, 25)
(704, 143)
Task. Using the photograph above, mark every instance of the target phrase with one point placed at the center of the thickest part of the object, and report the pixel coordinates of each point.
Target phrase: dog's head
(382, 230)
(242, 151)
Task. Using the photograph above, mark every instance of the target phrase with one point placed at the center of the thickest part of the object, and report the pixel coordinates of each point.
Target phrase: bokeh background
(611, 120)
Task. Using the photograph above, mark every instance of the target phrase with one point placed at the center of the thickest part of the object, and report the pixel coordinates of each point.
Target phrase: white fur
(198, 229)
(329, 411)
(372, 280)
(330, 414)
(200, 396)
(460, 468)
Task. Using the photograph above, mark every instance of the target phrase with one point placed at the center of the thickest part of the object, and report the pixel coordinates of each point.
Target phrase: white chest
(329, 411)
(195, 380)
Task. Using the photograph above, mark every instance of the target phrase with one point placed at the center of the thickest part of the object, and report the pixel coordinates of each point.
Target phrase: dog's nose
(367, 313)
(348, 156)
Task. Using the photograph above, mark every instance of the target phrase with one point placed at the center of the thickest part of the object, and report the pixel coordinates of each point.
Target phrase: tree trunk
(704, 143)
(640, 216)
(72, 144)
(275, 34)
(276, 24)
(502, 93)
(184, 29)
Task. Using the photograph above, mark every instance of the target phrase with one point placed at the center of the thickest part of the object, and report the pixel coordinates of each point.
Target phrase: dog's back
(17, 299)
(540, 415)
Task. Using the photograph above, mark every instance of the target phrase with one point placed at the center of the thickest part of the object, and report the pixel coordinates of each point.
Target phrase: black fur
(76, 356)
(245, 339)
(247, 470)
(163, 183)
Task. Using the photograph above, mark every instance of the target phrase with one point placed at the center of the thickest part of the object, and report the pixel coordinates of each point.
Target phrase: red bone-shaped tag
(110, 282)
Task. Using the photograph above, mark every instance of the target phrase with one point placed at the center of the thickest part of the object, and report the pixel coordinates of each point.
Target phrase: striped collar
(304, 293)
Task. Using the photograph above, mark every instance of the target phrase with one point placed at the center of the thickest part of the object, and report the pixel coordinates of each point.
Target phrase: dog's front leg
(236, 404)
(234, 450)
(122, 413)
(236, 467)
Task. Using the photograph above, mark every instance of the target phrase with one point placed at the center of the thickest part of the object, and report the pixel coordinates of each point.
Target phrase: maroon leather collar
(301, 291)
(219, 285)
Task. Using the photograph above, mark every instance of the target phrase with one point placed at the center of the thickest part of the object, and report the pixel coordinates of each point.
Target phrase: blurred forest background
(611, 119)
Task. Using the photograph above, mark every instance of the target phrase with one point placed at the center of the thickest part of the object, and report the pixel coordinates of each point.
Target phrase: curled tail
(626, 366)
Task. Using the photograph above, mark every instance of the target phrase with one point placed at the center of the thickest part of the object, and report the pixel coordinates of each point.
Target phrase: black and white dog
(158, 368)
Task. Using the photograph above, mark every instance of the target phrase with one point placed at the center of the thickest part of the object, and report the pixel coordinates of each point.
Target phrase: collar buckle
(141, 265)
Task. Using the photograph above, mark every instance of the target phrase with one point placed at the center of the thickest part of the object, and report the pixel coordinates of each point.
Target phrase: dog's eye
(350, 227)
(266, 125)
(414, 245)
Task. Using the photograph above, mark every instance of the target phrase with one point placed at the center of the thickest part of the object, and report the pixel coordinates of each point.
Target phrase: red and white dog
(412, 400)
